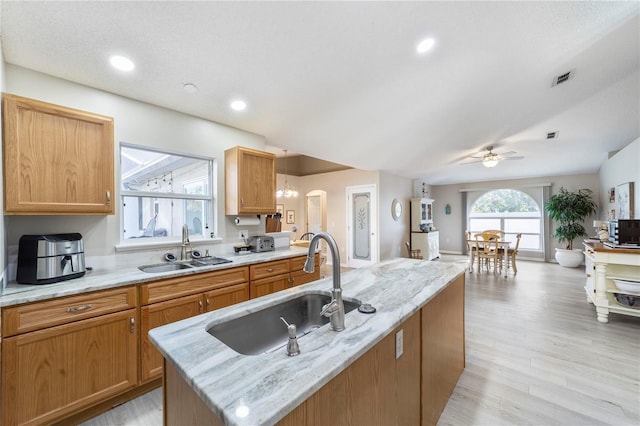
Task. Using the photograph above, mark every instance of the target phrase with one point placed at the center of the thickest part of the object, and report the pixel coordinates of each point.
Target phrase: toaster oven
(45, 259)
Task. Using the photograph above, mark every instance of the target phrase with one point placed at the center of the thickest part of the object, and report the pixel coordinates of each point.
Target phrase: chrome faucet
(184, 251)
(334, 309)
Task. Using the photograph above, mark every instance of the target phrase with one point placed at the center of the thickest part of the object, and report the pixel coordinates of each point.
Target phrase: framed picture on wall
(625, 200)
(612, 195)
(291, 216)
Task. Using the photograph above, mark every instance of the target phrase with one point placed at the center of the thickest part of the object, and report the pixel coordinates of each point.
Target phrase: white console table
(603, 265)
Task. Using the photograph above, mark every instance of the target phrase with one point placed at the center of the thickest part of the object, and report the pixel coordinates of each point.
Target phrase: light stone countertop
(15, 293)
(262, 389)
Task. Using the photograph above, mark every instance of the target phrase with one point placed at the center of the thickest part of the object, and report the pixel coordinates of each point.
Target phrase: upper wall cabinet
(57, 160)
(250, 181)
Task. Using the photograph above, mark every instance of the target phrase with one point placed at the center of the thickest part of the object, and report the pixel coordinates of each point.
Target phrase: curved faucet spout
(337, 314)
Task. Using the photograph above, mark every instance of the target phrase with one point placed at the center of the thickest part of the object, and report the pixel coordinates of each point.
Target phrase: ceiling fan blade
(471, 162)
(512, 158)
(507, 154)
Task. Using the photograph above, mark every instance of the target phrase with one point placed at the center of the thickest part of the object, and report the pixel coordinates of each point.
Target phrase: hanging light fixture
(286, 190)
(491, 159)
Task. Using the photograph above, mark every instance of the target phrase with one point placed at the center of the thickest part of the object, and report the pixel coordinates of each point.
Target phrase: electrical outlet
(243, 234)
(399, 343)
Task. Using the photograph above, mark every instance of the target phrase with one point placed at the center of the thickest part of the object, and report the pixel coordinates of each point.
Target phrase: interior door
(362, 226)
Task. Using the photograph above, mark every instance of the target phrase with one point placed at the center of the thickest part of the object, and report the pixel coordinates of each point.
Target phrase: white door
(362, 226)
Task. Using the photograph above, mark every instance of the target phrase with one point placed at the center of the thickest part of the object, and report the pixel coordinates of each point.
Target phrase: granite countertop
(15, 293)
(262, 389)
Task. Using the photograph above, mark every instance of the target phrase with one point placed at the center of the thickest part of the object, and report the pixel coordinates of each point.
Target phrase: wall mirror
(396, 209)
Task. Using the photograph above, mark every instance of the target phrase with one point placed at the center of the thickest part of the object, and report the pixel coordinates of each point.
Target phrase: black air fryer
(45, 259)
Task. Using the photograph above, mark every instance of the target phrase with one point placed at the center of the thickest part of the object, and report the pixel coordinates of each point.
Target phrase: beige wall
(135, 122)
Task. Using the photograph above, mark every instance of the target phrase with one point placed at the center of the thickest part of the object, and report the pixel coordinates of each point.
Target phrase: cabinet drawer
(297, 263)
(269, 285)
(183, 286)
(269, 269)
(35, 316)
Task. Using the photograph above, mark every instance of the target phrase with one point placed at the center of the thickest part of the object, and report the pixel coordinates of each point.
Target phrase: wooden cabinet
(604, 265)
(57, 160)
(269, 277)
(175, 299)
(52, 371)
(250, 181)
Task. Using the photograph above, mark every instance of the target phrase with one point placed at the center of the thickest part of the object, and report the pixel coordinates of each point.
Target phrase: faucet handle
(330, 308)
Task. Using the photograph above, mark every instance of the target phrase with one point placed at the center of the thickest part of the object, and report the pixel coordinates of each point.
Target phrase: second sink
(262, 331)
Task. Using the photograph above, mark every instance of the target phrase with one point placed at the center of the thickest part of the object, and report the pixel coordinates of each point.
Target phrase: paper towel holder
(247, 220)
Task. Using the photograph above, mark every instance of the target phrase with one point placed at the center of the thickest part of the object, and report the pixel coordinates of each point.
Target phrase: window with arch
(511, 211)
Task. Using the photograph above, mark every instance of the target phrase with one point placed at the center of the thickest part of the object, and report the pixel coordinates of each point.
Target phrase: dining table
(502, 244)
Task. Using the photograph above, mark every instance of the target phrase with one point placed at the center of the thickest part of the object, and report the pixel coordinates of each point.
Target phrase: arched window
(512, 211)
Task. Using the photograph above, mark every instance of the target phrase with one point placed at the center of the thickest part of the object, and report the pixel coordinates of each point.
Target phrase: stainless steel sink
(263, 331)
(164, 267)
(195, 263)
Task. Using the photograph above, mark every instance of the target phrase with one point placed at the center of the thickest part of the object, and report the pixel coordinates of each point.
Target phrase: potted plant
(569, 210)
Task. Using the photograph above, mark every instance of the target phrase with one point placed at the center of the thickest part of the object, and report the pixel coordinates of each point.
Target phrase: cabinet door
(49, 373)
(226, 296)
(158, 314)
(57, 160)
(250, 186)
(269, 285)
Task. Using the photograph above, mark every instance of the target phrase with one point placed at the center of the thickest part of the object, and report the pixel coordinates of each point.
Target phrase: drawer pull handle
(269, 269)
(80, 308)
(588, 275)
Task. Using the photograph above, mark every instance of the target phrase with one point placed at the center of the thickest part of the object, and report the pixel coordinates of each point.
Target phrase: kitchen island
(397, 365)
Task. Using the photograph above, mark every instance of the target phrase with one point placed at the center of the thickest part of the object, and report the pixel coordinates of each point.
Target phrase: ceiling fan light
(490, 160)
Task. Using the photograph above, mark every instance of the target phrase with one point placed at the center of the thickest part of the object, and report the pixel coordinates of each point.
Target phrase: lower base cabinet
(377, 389)
(51, 373)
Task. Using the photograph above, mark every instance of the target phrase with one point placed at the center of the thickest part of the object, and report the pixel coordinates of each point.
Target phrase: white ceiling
(341, 81)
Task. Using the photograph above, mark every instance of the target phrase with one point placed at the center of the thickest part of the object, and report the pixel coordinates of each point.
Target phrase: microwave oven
(624, 231)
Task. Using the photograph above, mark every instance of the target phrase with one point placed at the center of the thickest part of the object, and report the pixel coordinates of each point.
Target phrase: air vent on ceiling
(552, 135)
(562, 78)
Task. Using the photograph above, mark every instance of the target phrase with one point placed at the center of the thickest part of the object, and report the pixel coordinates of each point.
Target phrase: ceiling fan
(491, 159)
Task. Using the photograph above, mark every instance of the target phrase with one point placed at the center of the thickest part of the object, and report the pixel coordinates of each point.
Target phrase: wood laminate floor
(536, 355)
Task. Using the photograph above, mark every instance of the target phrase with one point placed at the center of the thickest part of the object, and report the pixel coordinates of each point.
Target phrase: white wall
(623, 167)
(452, 226)
(135, 122)
(393, 234)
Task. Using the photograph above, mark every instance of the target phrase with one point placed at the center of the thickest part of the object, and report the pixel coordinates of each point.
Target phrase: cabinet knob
(132, 325)
(269, 269)
(208, 304)
(200, 305)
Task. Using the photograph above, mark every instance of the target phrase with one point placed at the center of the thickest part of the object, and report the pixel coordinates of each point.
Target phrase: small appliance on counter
(261, 243)
(45, 259)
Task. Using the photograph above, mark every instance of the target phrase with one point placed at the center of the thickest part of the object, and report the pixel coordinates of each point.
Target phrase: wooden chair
(414, 254)
(511, 255)
(486, 249)
(498, 232)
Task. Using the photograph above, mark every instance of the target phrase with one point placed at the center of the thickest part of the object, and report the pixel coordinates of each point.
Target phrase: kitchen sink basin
(263, 331)
(164, 267)
(195, 263)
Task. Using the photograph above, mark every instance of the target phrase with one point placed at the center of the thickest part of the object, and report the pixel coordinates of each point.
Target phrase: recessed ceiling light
(425, 45)
(122, 63)
(190, 87)
(238, 105)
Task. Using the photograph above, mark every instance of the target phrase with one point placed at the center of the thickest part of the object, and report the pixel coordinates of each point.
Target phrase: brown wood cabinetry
(269, 277)
(175, 299)
(53, 371)
(250, 181)
(57, 160)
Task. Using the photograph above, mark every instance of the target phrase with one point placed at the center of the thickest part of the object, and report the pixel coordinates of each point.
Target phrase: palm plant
(569, 210)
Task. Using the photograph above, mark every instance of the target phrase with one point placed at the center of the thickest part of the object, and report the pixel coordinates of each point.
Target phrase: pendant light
(286, 191)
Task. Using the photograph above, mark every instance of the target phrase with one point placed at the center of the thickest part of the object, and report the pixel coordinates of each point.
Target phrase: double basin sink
(176, 266)
(263, 331)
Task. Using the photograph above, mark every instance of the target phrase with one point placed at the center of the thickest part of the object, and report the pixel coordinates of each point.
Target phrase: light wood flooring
(536, 355)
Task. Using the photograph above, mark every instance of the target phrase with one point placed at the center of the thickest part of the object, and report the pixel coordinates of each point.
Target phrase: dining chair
(511, 255)
(499, 232)
(414, 254)
(487, 250)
